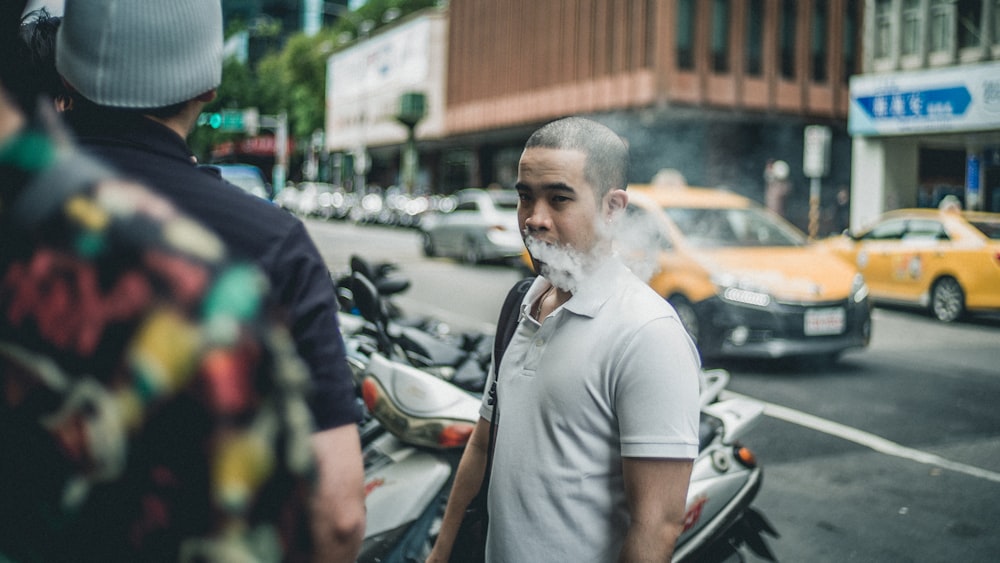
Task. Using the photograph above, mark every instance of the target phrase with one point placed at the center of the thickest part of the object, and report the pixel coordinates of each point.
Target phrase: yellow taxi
(945, 261)
(744, 281)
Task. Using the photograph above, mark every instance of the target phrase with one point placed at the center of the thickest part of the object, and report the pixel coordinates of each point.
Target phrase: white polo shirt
(610, 373)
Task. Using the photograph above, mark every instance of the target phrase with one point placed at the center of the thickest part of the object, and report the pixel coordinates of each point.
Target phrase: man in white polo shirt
(598, 388)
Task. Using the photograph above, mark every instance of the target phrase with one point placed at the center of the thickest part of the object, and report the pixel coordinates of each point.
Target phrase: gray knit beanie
(140, 53)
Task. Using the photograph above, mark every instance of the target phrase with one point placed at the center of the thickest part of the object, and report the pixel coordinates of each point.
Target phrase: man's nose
(537, 218)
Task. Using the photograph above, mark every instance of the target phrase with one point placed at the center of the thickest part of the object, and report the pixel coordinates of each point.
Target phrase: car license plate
(821, 322)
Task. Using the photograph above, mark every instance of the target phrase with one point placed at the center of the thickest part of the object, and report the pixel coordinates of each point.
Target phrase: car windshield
(989, 228)
(721, 228)
(505, 200)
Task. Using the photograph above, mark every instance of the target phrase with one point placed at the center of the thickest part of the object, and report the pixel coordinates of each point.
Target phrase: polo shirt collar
(596, 288)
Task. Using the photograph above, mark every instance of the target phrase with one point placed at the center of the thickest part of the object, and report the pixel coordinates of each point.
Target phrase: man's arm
(338, 503)
(468, 479)
(656, 492)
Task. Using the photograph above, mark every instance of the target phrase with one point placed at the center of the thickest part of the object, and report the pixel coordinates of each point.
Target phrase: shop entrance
(941, 173)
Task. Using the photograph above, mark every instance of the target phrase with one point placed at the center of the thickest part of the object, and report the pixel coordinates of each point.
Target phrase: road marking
(866, 439)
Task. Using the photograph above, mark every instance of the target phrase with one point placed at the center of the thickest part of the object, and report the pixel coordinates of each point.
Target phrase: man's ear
(616, 201)
(207, 96)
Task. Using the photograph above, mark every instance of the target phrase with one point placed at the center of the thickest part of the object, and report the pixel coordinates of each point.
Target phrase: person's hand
(434, 557)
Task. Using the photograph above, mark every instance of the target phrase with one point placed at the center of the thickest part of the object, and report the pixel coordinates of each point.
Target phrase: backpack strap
(507, 323)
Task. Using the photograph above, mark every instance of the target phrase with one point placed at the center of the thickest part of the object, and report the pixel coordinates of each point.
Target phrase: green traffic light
(215, 121)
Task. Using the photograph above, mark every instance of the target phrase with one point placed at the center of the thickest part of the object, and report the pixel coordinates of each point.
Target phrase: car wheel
(428, 245)
(686, 313)
(947, 300)
(472, 253)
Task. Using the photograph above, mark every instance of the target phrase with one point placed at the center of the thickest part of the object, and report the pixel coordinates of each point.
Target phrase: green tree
(294, 80)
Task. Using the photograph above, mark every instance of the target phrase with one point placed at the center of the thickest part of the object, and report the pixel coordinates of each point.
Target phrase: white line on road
(866, 439)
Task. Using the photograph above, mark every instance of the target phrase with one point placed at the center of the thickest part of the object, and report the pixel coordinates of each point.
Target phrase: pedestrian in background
(842, 210)
(776, 185)
(141, 72)
(598, 388)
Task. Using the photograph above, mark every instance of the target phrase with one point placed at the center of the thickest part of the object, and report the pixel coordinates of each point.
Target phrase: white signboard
(365, 83)
(953, 99)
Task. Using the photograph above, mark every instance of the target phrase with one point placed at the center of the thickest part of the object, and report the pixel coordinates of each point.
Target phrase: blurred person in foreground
(151, 407)
(141, 72)
(598, 388)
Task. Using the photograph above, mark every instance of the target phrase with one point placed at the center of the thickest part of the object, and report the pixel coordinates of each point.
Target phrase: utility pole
(412, 108)
(279, 124)
(815, 165)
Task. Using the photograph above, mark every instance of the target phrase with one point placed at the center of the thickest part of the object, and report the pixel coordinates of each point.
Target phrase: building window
(720, 35)
(787, 39)
(970, 17)
(685, 34)
(755, 37)
(996, 29)
(850, 40)
(910, 32)
(942, 25)
(818, 41)
(883, 29)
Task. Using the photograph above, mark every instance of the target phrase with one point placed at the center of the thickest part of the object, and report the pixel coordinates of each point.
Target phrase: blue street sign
(938, 103)
(937, 100)
(972, 175)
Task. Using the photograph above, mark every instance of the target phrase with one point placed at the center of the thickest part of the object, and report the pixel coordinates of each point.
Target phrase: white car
(247, 177)
(482, 226)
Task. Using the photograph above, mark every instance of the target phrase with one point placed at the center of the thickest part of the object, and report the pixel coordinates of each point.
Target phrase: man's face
(557, 210)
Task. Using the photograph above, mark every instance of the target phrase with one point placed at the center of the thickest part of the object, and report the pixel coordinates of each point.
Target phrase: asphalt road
(891, 454)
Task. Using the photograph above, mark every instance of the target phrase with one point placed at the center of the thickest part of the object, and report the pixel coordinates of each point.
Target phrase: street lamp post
(412, 108)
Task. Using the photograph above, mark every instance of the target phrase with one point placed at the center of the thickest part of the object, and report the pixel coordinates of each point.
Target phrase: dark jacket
(253, 229)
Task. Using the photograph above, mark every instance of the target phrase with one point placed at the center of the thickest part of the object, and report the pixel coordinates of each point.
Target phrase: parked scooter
(725, 479)
(462, 359)
(412, 444)
(382, 275)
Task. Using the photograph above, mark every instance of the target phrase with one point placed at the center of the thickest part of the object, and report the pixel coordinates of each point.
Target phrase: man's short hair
(606, 166)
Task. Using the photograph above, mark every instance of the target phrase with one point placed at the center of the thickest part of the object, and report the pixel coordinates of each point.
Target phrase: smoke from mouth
(637, 242)
(561, 265)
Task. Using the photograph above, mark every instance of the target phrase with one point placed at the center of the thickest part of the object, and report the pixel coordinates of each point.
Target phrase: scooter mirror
(366, 298)
(361, 266)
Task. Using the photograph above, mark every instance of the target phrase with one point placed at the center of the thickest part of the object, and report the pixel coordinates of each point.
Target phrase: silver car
(482, 226)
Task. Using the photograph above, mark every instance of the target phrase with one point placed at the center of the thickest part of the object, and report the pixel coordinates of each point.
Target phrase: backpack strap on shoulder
(507, 323)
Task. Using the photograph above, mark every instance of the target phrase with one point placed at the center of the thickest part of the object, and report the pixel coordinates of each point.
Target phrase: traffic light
(213, 120)
(241, 120)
